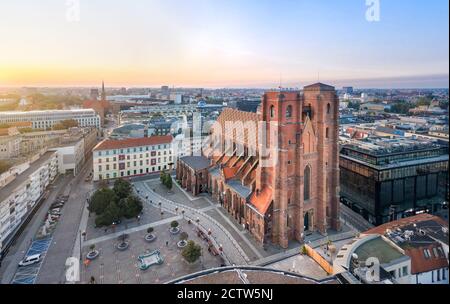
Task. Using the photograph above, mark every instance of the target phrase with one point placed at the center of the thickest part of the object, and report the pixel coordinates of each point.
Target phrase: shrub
(184, 236)
(191, 252)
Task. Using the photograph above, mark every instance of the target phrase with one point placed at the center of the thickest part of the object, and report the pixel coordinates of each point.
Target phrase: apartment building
(47, 119)
(132, 157)
(21, 195)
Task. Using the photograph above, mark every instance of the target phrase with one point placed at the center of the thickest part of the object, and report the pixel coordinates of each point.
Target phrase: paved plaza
(193, 213)
(121, 267)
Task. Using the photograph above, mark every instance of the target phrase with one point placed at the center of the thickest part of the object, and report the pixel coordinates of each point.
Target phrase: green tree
(168, 182)
(191, 252)
(130, 207)
(354, 105)
(424, 101)
(111, 215)
(122, 188)
(101, 200)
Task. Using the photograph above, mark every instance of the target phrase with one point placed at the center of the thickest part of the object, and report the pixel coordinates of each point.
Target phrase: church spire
(103, 91)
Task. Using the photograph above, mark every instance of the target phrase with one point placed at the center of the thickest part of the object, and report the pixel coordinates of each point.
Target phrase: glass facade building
(387, 179)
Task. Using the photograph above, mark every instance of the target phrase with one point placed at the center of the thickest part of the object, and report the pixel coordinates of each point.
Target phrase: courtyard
(122, 267)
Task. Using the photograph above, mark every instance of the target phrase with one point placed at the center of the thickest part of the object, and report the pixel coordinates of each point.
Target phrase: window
(328, 108)
(427, 253)
(438, 275)
(326, 132)
(272, 111)
(405, 270)
(307, 182)
(289, 111)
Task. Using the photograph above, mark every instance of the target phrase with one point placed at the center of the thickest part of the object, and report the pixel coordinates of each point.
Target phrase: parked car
(56, 205)
(56, 211)
(30, 260)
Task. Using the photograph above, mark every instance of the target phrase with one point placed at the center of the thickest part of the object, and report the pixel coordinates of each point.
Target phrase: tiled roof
(230, 117)
(432, 228)
(420, 263)
(262, 201)
(133, 142)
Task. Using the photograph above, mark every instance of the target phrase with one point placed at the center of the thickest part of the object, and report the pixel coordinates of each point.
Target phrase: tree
(354, 105)
(66, 124)
(109, 216)
(169, 183)
(184, 236)
(150, 230)
(4, 166)
(130, 207)
(122, 188)
(101, 200)
(191, 252)
(174, 224)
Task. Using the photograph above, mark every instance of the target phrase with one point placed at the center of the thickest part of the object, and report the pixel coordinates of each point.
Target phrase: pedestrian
(167, 243)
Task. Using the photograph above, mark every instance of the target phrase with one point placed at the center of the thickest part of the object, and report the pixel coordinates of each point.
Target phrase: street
(65, 235)
(18, 250)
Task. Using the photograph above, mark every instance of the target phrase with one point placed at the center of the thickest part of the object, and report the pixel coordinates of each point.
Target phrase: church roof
(262, 201)
(246, 124)
(318, 87)
(196, 162)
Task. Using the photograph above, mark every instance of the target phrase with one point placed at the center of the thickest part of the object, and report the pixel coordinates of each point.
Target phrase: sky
(223, 43)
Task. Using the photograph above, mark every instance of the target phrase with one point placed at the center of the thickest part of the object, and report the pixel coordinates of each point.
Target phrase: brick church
(294, 193)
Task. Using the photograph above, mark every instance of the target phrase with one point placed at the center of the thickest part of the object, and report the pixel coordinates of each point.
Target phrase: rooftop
(379, 248)
(46, 112)
(251, 275)
(133, 142)
(6, 191)
(196, 162)
(421, 238)
(376, 146)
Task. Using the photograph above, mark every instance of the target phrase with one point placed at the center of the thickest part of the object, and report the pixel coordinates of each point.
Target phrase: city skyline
(217, 44)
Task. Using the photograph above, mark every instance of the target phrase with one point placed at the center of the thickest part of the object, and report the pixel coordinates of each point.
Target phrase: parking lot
(41, 243)
(28, 274)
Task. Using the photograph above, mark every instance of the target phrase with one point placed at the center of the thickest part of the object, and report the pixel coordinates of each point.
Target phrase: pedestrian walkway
(131, 230)
(231, 249)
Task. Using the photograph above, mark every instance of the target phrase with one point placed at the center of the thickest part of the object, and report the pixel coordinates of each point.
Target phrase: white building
(70, 157)
(47, 119)
(422, 238)
(21, 195)
(132, 157)
(187, 146)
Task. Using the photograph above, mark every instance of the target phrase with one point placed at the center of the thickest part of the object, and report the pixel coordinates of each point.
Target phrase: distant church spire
(103, 91)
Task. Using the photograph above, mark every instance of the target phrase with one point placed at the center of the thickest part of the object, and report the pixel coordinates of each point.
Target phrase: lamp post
(80, 246)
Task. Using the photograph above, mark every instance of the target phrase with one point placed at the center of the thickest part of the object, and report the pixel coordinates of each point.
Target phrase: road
(19, 249)
(65, 235)
(354, 219)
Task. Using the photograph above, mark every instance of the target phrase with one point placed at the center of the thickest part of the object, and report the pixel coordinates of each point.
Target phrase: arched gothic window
(307, 184)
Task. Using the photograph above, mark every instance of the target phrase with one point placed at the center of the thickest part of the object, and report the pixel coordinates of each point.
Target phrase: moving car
(30, 260)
